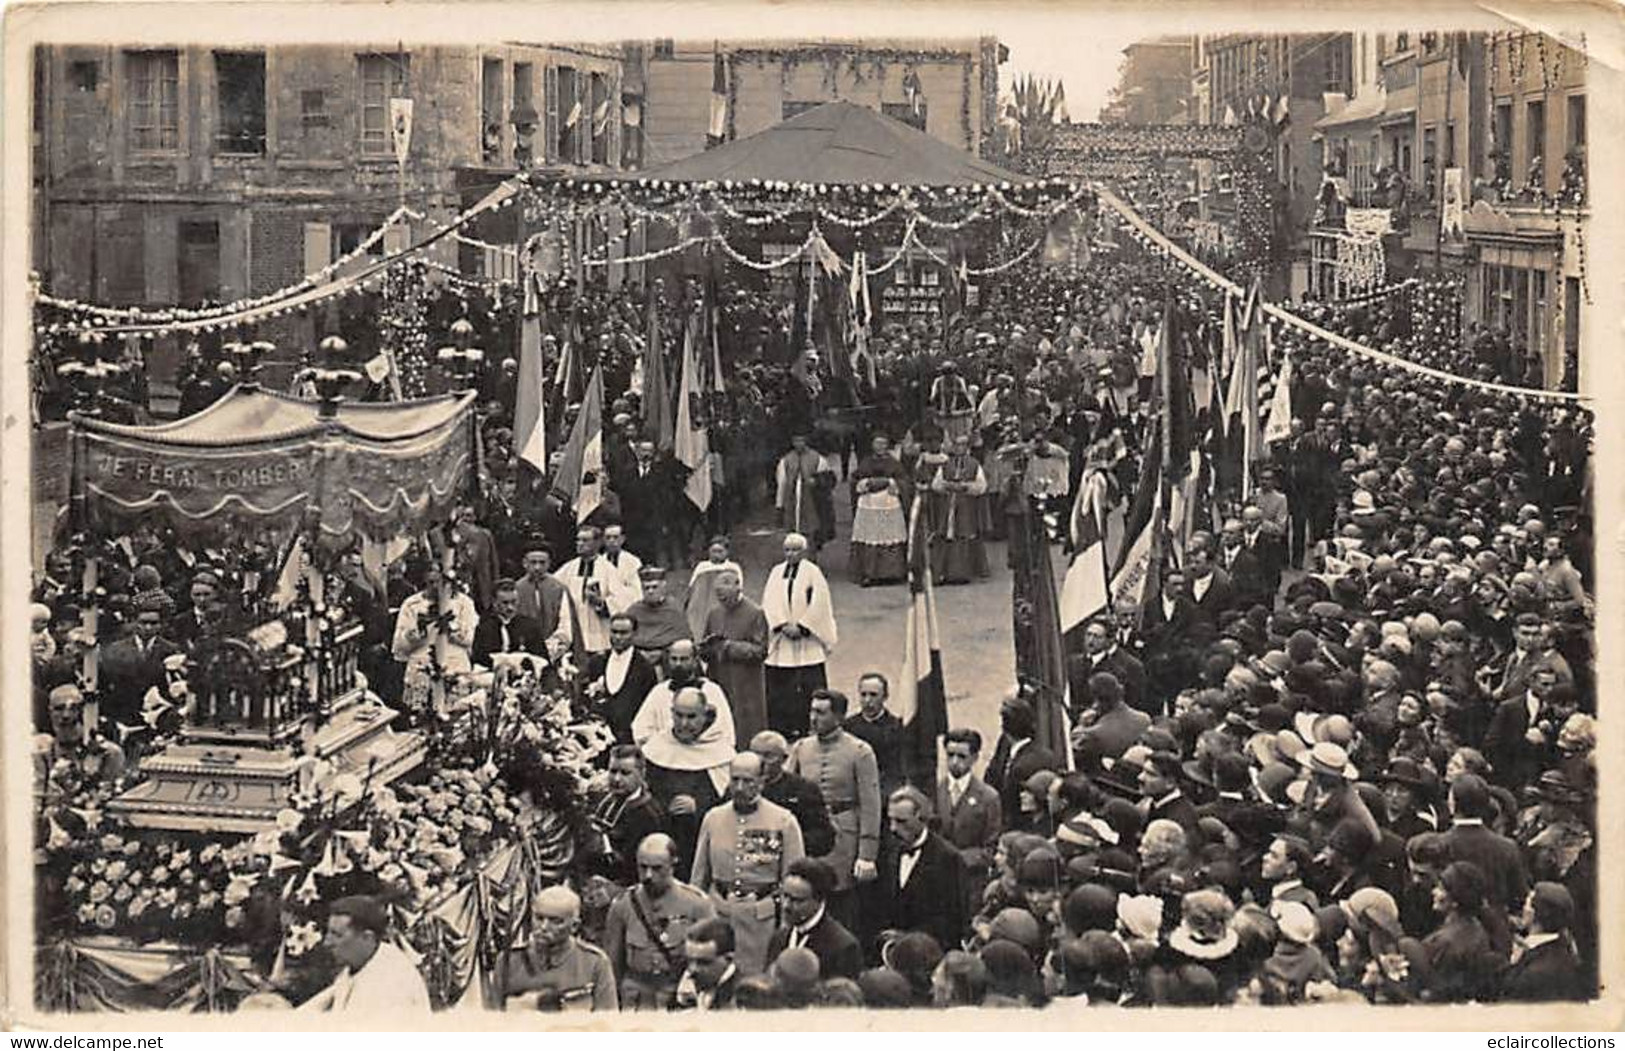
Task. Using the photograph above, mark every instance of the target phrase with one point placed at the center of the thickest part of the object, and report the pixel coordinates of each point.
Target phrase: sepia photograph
(1048, 509)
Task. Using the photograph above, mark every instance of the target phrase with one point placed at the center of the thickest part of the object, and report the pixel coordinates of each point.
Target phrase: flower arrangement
(512, 770)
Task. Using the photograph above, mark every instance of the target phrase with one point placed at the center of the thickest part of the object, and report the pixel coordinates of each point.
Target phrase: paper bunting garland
(1155, 239)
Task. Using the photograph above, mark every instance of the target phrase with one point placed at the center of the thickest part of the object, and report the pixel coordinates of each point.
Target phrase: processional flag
(1036, 616)
(580, 481)
(692, 444)
(1086, 591)
(922, 696)
(657, 413)
(529, 414)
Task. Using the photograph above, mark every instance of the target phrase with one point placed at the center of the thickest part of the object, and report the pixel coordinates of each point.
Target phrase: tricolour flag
(1085, 592)
(580, 481)
(718, 131)
(529, 414)
(922, 696)
(1228, 344)
(692, 442)
(1242, 399)
(1133, 576)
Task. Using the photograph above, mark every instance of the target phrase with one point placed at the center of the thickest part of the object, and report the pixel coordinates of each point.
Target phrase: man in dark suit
(1261, 540)
(477, 561)
(1495, 855)
(804, 894)
(504, 630)
(1522, 737)
(1101, 653)
(1548, 968)
(132, 665)
(1017, 756)
(1109, 726)
(921, 882)
(1170, 616)
(619, 679)
(1248, 576)
(1507, 678)
(1211, 590)
(881, 730)
(1159, 783)
(649, 490)
(1239, 808)
(711, 978)
(1126, 630)
(193, 623)
(969, 814)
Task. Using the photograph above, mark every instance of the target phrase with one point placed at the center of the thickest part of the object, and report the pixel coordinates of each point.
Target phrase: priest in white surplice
(377, 978)
(801, 634)
(599, 591)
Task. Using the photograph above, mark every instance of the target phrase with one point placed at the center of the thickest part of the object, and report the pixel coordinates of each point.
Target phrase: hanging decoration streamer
(1162, 244)
(307, 294)
(137, 315)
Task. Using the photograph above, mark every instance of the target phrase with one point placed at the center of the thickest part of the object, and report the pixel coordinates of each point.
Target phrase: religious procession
(902, 553)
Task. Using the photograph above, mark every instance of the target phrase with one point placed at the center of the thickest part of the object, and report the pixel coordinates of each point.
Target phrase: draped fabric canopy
(838, 143)
(261, 461)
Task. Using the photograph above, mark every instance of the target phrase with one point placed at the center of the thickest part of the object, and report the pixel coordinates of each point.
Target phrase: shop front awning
(1361, 108)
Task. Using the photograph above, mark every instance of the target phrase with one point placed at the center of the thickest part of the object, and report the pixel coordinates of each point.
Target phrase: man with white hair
(556, 971)
(734, 643)
(801, 635)
(744, 847)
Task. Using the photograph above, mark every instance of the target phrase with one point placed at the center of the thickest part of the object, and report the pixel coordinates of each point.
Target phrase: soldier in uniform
(745, 845)
(796, 794)
(646, 926)
(557, 971)
(844, 769)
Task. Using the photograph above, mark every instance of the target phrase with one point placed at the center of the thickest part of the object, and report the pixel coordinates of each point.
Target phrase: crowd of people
(1343, 753)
